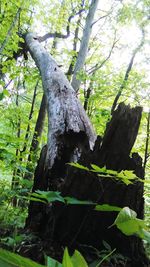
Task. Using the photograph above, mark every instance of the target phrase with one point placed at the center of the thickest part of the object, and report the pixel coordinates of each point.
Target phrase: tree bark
(80, 227)
(66, 116)
(147, 154)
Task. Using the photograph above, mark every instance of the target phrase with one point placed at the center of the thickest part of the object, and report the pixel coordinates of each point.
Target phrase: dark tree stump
(80, 226)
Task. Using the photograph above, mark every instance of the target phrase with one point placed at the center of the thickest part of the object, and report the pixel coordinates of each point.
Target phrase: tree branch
(57, 34)
(98, 66)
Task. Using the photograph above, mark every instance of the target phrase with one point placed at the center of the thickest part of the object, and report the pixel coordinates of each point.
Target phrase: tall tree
(84, 45)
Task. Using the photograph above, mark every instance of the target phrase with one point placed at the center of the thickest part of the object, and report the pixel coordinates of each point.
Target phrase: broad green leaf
(79, 166)
(67, 259)
(107, 207)
(9, 259)
(127, 222)
(78, 260)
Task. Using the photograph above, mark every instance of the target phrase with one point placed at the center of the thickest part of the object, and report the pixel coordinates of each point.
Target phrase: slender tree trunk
(129, 68)
(71, 67)
(15, 179)
(20, 154)
(84, 45)
(29, 119)
(147, 154)
(36, 137)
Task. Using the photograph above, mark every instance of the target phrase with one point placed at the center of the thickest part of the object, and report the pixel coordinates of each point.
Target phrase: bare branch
(98, 66)
(100, 18)
(58, 34)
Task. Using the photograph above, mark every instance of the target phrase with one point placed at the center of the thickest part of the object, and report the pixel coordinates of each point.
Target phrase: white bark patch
(65, 112)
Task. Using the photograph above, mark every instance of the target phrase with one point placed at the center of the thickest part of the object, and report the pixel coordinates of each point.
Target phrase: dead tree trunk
(71, 138)
(81, 227)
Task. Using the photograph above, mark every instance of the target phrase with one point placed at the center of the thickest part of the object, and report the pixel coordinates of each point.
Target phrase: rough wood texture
(79, 226)
(66, 116)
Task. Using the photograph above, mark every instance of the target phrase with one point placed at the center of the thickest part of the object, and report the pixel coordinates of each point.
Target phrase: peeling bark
(65, 113)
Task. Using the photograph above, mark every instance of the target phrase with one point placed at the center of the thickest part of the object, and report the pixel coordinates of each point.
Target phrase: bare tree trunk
(15, 179)
(29, 119)
(71, 67)
(84, 45)
(129, 68)
(147, 154)
(36, 137)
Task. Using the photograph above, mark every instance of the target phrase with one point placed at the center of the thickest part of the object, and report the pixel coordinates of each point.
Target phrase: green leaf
(127, 176)
(78, 260)
(50, 196)
(36, 199)
(9, 259)
(53, 263)
(145, 235)
(6, 92)
(98, 169)
(107, 207)
(1, 96)
(79, 166)
(127, 222)
(67, 259)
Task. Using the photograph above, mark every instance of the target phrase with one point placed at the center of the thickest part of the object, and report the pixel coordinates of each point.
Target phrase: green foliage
(127, 177)
(52, 196)
(129, 224)
(8, 259)
(75, 261)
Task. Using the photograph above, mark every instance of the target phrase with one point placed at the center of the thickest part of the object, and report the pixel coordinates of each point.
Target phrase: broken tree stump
(80, 227)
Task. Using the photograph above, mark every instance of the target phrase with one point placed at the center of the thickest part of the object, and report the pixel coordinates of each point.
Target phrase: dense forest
(75, 133)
